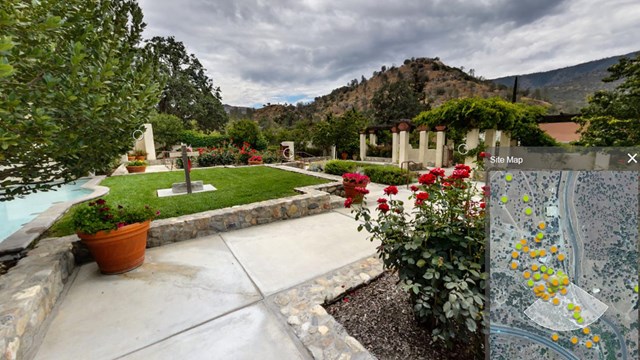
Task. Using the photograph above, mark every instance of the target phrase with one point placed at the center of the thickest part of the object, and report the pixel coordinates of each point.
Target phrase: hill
(566, 88)
(432, 81)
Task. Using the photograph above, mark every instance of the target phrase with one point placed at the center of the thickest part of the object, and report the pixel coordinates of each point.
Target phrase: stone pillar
(490, 137)
(291, 153)
(146, 143)
(473, 139)
(404, 142)
(373, 138)
(440, 139)
(363, 146)
(333, 152)
(394, 145)
(505, 143)
(424, 145)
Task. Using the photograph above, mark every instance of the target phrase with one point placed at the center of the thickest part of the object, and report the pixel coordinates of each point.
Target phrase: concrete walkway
(205, 298)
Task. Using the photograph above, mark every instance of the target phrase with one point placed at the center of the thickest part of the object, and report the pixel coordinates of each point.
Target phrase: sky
(277, 51)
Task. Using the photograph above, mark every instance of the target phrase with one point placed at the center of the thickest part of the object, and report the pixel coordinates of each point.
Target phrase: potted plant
(136, 166)
(140, 154)
(131, 156)
(255, 160)
(116, 236)
(355, 186)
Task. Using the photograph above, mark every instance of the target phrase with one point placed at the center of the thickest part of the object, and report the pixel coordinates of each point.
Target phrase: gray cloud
(260, 51)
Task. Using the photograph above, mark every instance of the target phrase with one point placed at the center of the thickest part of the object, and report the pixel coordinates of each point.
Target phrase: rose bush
(437, 248)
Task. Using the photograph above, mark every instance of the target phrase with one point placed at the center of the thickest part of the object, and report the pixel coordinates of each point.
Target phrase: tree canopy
(74, 85)
(612, 118)
(462, 115)
(188, 92)
(395, 101)
(341, 131)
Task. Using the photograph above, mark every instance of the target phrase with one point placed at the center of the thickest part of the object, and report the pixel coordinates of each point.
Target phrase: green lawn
(235, 186)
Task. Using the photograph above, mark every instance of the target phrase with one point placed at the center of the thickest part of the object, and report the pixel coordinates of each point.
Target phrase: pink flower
(383, 207)
(121, 224)
(460, 173)
(427, 179)
(382, 200)
(391, 190)
(437, 172)
(348, 202)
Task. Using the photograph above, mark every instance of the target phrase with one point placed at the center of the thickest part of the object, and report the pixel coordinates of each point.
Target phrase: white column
(473, 139)
(505, 143)
(373, 139)
(404, 145)
(440, 138)
(363, 146)
(333, 152)
(424, 145)
(394, 148)
(146, 143)
(490, 138)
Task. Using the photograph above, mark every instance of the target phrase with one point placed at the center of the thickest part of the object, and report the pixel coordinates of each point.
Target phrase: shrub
(271, 156)
(339, 167)
(166, 129)
(199, 139)
(217, 156)
(389, 175)
(246, 131)
(437, 249)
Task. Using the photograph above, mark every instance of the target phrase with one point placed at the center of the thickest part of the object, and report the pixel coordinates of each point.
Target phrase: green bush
(389, 175)
(339, 167)
(246, 131)
(199, 139)
(215, 157)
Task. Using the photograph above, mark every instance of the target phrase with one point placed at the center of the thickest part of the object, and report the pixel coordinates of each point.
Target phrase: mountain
(566, 88)
(432, 80)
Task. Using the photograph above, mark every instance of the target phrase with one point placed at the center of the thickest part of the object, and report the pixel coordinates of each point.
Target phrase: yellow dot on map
(536, 276)
(596, 338)
(541, 226)
(543, 268)
(514, 265)
(540, 235)
(560, 257)
(534, 267)
(565, 281)
(574, 340)
(526, 198)
(556, 301)
(508, 177)
(588, 344)
(577, 309)
(504, 199)
(528, 211)
(586, 331)
(526, 274)
(563, 291)
(523, 241)
(570, 306)
(545, 276)
(525, 249)
(533, 253)
(514, 255)
(554, 337)
(554, 282)
(554, 249)
(542, 253)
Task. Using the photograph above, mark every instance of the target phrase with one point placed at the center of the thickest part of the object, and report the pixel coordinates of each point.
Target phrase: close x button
(632, 158)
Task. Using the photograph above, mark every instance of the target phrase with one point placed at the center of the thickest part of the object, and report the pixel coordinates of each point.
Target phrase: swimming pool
(18, 212)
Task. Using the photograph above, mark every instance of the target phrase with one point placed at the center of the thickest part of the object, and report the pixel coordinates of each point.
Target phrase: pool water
(16, 213)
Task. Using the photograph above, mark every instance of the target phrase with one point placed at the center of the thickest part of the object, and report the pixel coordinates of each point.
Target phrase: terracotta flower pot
(118, 251)
(350, 191)
(255, 162)
(136, 169)
(131, 157)
(141, 157)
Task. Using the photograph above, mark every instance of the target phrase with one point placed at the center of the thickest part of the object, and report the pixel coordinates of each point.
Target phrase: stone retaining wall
(29, 291)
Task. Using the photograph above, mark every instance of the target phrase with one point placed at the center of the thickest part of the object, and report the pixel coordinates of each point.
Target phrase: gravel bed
(380, 317)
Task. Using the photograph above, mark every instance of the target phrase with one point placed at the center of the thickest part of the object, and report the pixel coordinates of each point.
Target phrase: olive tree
(74, 85)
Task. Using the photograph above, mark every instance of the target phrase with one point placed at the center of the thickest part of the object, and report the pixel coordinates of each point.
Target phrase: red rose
(422, 196)
(427, 179)
(482, 205)
(437, 172)
(382, 200)
(348, 202)
(391, 190)
(414, 188)
(362, 190)
(383, 207)
(484, 154)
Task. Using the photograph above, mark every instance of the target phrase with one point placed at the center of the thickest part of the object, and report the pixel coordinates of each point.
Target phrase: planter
(136, 169)
(344, 156)
(255, 162)
(131, 157)
(350, 191)
(118, 251)
(141, 157)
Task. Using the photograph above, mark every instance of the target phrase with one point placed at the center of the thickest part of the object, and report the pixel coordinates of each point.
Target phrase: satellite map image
(563, 264)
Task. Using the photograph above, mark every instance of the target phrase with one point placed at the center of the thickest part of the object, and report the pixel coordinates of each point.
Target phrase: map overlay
(563, 264)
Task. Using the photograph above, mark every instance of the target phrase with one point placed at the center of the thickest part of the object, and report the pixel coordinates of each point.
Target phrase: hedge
(389, 175)
(339, 167)
(198, 139)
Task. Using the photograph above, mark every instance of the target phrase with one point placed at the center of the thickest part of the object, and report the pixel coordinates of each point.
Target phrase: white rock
(323, 329)
(293, 320)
